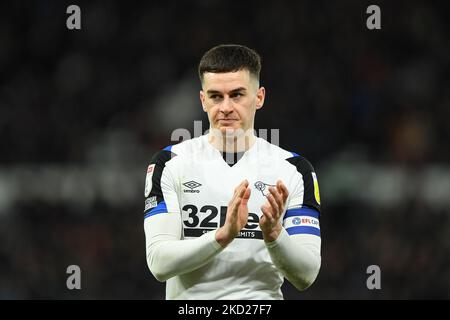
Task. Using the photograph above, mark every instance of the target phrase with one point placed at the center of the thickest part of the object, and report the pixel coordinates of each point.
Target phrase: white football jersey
(192, 179)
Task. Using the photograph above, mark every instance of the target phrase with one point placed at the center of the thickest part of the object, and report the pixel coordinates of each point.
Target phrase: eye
(215, 97)
(237, 95)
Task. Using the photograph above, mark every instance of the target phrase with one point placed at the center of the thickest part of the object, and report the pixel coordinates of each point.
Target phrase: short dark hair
(230, 58)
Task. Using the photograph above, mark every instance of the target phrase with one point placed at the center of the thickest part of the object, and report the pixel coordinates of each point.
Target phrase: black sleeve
(311, 197)
(153, 192)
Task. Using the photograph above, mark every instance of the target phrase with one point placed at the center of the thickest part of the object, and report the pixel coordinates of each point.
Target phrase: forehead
(226, 81)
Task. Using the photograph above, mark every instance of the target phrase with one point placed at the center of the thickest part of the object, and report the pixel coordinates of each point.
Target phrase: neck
(231, 142)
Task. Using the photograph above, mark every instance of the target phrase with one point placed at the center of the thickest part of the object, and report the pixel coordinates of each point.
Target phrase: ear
(202, 100)
(260, 96)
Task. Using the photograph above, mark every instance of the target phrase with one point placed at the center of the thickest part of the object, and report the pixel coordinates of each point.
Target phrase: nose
(226, 106)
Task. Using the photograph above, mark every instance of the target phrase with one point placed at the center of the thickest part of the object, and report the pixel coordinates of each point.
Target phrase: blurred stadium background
(81, 113)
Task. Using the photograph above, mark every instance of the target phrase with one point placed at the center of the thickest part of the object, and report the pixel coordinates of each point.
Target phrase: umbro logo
(192, 185)
(263, 187)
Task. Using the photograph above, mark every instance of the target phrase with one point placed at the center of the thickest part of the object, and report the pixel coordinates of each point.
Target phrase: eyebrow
(232, 91)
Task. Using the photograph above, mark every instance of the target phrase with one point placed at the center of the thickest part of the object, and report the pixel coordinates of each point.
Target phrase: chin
(228, 130)
(232, 131)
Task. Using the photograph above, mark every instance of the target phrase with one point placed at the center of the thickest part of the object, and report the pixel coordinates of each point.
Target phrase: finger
(283, 189)
(232, 205)
(262, 220)
(243, 184)
(242, 190)
(239, 186)
(246, 196)
(266, 212)
(239, 196)
(235, 206)
(278, 198)
(273, 203)
(237, 192)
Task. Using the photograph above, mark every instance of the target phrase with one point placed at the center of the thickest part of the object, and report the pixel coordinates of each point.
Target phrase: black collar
(232, 158)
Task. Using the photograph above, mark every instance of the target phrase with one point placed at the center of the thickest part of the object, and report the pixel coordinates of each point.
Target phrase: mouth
(225, 121)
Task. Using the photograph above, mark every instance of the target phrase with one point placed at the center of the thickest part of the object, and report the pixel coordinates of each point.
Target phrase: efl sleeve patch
(303, 220)
(159, 208)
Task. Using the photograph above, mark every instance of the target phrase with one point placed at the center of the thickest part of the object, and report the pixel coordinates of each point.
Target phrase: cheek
(247, 109)
(205, 106)
(212, 111)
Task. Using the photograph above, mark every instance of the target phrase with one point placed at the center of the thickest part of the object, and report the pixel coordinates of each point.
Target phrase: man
(229, 215)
